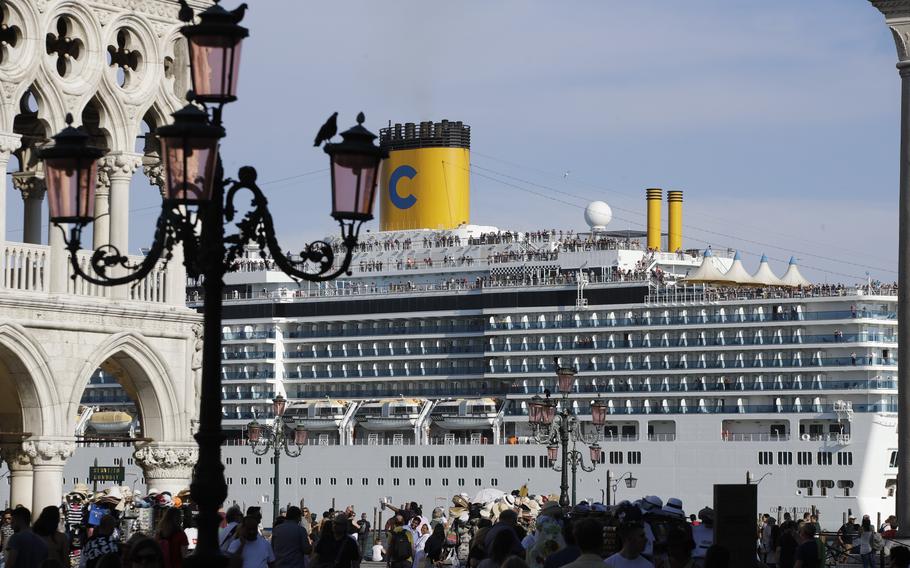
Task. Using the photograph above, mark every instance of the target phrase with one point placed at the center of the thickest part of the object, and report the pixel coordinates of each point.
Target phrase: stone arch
(18, 67)
(144, 375)
(99, 119)
(27, 375)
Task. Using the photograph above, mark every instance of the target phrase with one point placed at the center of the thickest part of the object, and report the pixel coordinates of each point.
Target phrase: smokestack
(425, 182)
(655, 198)
(674, 224)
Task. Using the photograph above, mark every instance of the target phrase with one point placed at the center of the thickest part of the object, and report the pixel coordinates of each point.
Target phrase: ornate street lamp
(558, 428)
(565, 378)
(612, 484)
(598, 413)
(214, 45)
(198, 203)
(355, 169)
(189, 150)
(280, 438)
(71, 172)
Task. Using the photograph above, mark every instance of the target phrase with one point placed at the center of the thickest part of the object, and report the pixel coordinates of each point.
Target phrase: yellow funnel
(674, 227)
(425, 182)
(654, 197)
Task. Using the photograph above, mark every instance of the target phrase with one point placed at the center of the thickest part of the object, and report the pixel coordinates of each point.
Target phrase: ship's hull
(686, 467)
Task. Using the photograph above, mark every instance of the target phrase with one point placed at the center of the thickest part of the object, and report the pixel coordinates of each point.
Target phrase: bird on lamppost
(199, 212)
(327, 130)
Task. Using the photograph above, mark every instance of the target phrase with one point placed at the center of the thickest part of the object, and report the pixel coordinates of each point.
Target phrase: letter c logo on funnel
(397, 200)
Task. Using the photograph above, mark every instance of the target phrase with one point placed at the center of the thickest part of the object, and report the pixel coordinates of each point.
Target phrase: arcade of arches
(120, 67)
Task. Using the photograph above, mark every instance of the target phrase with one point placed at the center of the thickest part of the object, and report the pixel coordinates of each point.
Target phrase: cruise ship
(412, 376)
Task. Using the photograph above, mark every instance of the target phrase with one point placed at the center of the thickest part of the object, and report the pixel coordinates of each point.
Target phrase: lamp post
(279, 437)
(558, 427)
(612, 484)
(195, 181)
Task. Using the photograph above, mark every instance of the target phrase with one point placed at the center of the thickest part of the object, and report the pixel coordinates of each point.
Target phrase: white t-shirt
(620, 561)
(192, 535)
(256, 553)
(377, 553)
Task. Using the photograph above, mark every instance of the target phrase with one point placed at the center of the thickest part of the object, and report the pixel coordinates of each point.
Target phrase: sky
(778, 119)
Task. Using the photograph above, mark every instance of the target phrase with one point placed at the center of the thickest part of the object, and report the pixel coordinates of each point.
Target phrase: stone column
(59, 260)
(48, 458)
(119, 170)
(167, 466)
(101, 227)
(20, 475)
(897, 17)
(33, 189)
(8, 144)
(175, 287)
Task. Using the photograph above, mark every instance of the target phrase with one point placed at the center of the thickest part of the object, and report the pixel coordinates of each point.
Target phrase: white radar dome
(598, 215)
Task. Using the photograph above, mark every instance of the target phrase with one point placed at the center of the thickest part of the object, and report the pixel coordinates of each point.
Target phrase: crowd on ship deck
(813, 291)
(566, 241)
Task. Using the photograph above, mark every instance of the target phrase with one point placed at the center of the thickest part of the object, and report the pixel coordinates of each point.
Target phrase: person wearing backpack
(400, 550)
(868, 543)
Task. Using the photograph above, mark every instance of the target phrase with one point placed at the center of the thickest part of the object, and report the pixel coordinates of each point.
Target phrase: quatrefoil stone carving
(64, 46)
(9, 36)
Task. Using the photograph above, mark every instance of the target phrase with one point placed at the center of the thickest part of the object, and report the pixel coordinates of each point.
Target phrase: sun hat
(651, 503)
(550, 508)
(674, 507)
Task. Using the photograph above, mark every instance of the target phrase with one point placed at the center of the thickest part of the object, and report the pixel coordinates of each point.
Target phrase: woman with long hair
(46, 527)
(172, 539)
(866, 535)
(434, 545)
(325, 550)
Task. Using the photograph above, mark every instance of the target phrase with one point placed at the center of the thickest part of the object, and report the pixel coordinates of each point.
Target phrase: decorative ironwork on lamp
(558, 426)
(198, 203)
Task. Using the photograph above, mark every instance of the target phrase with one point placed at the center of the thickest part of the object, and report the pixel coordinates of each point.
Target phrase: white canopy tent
(737, 273)
(709, 272)
(764, 275)
(792, 277)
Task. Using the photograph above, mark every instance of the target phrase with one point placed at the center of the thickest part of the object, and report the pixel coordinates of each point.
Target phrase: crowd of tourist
(801, 543)
(116, 528)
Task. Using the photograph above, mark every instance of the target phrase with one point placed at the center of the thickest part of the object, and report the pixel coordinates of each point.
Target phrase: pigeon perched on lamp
(327, 130)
